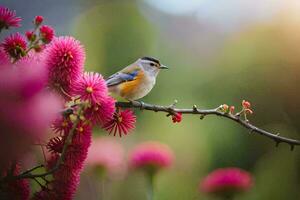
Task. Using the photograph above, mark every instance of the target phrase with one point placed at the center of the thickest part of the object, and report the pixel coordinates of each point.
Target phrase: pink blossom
(122, 122)
(151, 156)
(47, 33)
(90, 87)
(38, 20)
(107, 154)
(27, 109)
(66, 178)
(15, 45)
(104, 112)
(246, 104)
(65, 59)
(8, 18)
(227, 181)
(61, 125)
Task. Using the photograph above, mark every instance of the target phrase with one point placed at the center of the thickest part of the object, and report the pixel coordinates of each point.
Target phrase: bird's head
(151, 65)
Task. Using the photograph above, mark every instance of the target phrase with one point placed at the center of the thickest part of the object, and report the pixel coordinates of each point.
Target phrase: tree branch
(194, 110)
(170, 110)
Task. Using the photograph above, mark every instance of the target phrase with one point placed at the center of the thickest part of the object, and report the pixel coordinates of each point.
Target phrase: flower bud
(38, 20)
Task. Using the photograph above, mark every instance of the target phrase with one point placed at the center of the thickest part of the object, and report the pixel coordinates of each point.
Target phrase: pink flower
(15, 45)
(227, 181)
(106, 154)
(66, 178)
(121, 123)
(177, 117)
(90, 87)
(246, 104)
(30, 35)
(104, 112)
(61, 125)
(38, 20)
(8, 18)
(65, 59)
(55, 145)
(27, 109)
(47, 33)
(151, 157)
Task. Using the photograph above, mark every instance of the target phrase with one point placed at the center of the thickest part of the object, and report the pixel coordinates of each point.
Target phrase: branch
(194, 110)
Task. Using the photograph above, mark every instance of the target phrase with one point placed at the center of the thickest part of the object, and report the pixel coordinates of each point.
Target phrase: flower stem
(150, 186)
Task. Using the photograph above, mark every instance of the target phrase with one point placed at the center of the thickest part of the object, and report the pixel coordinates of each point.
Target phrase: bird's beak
(163, 67)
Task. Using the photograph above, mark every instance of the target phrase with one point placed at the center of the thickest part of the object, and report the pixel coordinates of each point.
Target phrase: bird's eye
(152, 64)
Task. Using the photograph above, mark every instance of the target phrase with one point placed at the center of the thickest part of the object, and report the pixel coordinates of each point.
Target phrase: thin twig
(32, 169)
(194, 110)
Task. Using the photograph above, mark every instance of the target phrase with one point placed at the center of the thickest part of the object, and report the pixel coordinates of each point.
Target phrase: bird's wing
(127, 74)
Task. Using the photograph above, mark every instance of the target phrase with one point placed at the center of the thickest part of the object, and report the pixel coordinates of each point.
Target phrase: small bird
(136, 80)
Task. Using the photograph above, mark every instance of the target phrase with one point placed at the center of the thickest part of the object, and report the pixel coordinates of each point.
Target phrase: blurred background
(218, 52)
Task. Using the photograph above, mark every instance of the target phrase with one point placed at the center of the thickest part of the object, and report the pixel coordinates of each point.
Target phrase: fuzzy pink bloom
(90, 87)
(104, 112)
(106, 154)
(65, 59)
(55, 145)
(66, 178)
(38, 20)
(151, 156)
(227, 181)
(15, 45)
(47, 33)
(61, 125)
(122, 122)
(8, 18)
(27, 109)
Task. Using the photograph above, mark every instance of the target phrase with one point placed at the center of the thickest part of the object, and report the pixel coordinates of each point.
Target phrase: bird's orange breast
(130, 87)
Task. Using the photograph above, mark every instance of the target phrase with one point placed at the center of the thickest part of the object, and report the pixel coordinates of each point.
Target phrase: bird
(136, 80)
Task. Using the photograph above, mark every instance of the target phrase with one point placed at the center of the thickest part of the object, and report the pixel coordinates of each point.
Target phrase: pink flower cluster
(27, 108)
(16, 45)
(66, 178)
(151, 157)
(91, 87)
(33, 87)
(226, 182)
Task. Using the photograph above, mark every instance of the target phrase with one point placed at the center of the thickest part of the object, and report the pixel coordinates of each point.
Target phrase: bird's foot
(142, 104)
